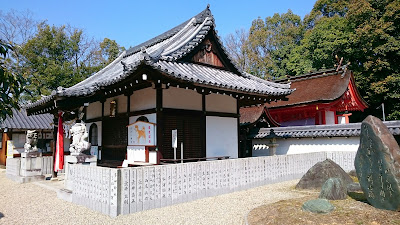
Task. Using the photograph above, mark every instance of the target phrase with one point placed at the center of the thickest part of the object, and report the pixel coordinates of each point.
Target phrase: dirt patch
(348, 211)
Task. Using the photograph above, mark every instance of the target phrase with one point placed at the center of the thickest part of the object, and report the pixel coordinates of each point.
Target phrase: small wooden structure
(14, 129)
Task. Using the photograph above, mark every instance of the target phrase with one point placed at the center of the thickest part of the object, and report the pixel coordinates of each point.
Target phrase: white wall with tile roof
(143, 99)
(179, 98)
(220, 103)
(308, 145)
(93, 110)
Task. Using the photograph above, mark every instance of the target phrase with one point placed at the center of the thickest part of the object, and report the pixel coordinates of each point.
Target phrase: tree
(62, 56)
(271, 42)
(375, 51)
(235, 45)
(11, 84)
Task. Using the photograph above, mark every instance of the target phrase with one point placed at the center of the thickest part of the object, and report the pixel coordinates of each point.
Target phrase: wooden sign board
(141, 133)
(174, 138)
(10, 149)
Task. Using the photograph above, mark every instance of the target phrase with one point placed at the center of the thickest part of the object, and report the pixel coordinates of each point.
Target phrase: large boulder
(377, 165)
(334, 189)
(317, 175)
(318, 206)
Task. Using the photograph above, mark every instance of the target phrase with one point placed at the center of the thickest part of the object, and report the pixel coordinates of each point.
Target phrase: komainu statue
(80, 141)
(31, 141)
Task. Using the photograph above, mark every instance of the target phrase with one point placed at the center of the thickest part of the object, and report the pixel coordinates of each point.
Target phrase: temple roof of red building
(250, 115)
(318, 87)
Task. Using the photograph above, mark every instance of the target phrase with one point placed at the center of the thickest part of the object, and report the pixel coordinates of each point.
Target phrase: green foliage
(48, 59)
(365, 33)
(271, 42)
(109, 50)
(58, 56)
(11, 84)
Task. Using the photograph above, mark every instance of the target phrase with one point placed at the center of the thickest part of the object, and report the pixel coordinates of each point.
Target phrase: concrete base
(21, 179)
(65, 195)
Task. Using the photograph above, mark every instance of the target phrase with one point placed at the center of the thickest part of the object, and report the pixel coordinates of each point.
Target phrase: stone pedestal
(28, 168)
(31, 166)
(90, 160)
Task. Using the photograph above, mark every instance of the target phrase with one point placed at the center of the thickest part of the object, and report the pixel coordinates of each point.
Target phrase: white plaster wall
(99, 130)
(341, 120)
(93, 110)
(330, 117)
(221, 137)
(307, 145)
(304, 122)
(220, 103)
(143, 99)
(122, 102)
(179, 98)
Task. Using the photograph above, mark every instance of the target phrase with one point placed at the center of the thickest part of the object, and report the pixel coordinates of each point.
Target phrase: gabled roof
(251, 115)
(22, 121)
(165, 53)
(320, 87)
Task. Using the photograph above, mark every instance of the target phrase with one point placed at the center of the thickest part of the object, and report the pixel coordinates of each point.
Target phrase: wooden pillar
(323, 115)
(238, 126)
(128, 107)
(102, 128)
(203, 127)
(55, 121)
(159, 117)
(3, 152)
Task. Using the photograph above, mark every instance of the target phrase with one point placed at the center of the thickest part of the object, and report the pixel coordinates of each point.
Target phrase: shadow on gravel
(1, 215)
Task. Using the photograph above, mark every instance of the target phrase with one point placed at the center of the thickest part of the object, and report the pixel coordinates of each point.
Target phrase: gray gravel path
(34, 204)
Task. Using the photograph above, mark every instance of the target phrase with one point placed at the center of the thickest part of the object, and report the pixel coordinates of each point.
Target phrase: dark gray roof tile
(21, 121)
(336, 130)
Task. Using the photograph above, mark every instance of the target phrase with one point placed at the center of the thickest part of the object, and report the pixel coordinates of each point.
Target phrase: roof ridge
(312, 75)
(169, 33)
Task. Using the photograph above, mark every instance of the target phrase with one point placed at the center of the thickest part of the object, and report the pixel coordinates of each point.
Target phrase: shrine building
(320, 98)
(181, 80)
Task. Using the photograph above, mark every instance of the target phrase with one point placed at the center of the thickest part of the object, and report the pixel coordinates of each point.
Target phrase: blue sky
(130, 23)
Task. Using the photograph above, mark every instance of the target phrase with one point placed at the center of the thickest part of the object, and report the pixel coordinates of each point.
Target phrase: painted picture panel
(141, 133)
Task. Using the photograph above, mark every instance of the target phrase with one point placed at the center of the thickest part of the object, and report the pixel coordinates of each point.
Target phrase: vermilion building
(323, 97)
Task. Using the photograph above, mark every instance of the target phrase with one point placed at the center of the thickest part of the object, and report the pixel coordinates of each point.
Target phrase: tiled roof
(250, 115)
(220, 78)
(20, 120)
(163, 54)
(336, 130)
(321, 86)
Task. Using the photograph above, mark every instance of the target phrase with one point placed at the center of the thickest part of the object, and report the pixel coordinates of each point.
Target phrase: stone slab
(377, 165)
(21, 179)
(31, 154)
(31, 166)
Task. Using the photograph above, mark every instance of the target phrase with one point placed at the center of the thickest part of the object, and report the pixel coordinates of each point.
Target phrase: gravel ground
(31, 203)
